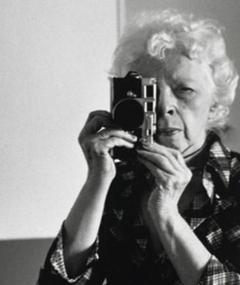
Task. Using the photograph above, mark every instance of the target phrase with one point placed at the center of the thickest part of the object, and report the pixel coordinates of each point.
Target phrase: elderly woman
(175, 217)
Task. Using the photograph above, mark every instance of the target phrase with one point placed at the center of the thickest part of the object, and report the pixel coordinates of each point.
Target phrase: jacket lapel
(216, 178)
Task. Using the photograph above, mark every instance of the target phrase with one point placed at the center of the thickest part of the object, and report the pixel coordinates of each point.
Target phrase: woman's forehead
(176, 67)
(183, 68)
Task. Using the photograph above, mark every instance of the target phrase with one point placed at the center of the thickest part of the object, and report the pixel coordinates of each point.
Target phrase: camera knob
(131, 94)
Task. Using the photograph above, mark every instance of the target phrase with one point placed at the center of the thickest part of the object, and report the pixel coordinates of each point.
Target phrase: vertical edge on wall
(121, 16)
(121, 21)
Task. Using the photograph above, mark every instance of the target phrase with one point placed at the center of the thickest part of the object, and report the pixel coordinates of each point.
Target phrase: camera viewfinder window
(150, 91)
(150, 106)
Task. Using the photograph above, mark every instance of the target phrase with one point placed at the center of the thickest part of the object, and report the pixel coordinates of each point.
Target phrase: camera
(133, 108)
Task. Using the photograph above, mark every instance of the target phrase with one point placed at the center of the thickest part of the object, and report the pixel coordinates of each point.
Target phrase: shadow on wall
(21, 260)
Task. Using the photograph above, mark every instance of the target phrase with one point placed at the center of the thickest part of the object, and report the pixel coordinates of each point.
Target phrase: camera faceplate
(133, 106)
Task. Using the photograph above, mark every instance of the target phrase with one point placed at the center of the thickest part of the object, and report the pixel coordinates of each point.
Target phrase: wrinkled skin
(186, 97)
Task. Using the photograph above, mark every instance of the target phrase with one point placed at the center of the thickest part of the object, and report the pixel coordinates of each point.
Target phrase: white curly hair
(151, 34)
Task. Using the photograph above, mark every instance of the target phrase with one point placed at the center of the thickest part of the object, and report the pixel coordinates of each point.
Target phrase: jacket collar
(219, 159)
(216, 179)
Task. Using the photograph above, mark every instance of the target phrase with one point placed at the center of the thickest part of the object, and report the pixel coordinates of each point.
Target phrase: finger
(107, 133)
(103, 114)
(174, 156)
(158, 160)
(104, 146)
(164, 178)
(118, 142)
(94, 124)
(158, 174)
(99, 113)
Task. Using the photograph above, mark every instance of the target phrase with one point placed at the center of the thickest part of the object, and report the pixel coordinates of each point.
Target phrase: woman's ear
(212, 113)
(217, 112)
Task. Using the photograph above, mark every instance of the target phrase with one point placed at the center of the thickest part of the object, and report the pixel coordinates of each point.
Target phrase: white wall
(54, 58)
(226, 12)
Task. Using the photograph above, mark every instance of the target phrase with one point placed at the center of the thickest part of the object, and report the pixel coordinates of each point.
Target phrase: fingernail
(133, 136)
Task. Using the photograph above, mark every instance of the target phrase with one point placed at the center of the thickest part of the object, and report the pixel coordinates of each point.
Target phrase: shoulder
(235, 167)
(225, 162)
(235, 155)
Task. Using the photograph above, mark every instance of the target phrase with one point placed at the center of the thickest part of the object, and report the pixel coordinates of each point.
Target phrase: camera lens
(129, 114)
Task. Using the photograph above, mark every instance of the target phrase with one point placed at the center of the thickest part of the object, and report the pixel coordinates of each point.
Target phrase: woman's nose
(167, 102)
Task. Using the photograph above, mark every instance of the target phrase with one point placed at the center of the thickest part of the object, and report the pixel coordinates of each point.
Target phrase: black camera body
(133, 108)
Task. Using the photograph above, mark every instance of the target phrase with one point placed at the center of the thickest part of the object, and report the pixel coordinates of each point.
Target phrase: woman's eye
(184, 90)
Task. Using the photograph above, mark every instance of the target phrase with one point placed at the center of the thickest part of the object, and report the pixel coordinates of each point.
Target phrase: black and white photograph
(120, 142)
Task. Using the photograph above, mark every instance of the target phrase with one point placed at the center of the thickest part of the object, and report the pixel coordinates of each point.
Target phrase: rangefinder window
(149, 91)
(150, 106)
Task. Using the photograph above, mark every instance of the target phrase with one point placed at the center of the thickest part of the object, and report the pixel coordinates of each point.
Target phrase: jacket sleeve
(54, 270)
(219, 274)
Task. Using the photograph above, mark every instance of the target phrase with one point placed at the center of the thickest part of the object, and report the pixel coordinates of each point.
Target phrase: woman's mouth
(168, 131)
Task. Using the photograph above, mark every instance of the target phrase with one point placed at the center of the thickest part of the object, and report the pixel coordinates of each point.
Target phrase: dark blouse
(124, 254)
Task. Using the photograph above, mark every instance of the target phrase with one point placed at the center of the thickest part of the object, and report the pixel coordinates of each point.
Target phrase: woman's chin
(175, 141)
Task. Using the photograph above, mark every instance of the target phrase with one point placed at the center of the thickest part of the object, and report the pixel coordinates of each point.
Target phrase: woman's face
(186, 91)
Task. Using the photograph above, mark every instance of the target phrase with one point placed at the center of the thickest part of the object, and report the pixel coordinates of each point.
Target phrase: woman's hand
(97, 138)
(171, 177)
(167, 227)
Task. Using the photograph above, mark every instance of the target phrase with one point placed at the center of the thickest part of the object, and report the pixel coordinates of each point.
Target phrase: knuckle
(181, 180)
(160, 174)
(94, 144)
(102, 133)
(91, 114)
(81, 135)
(82, 141)
(189, 173)
(187, 177)
(178, 155)
(94, 113)
(113, 141)
(97, 150)
(176, 151)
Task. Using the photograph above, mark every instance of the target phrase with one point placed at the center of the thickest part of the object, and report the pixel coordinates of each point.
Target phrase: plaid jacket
(123, 253)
